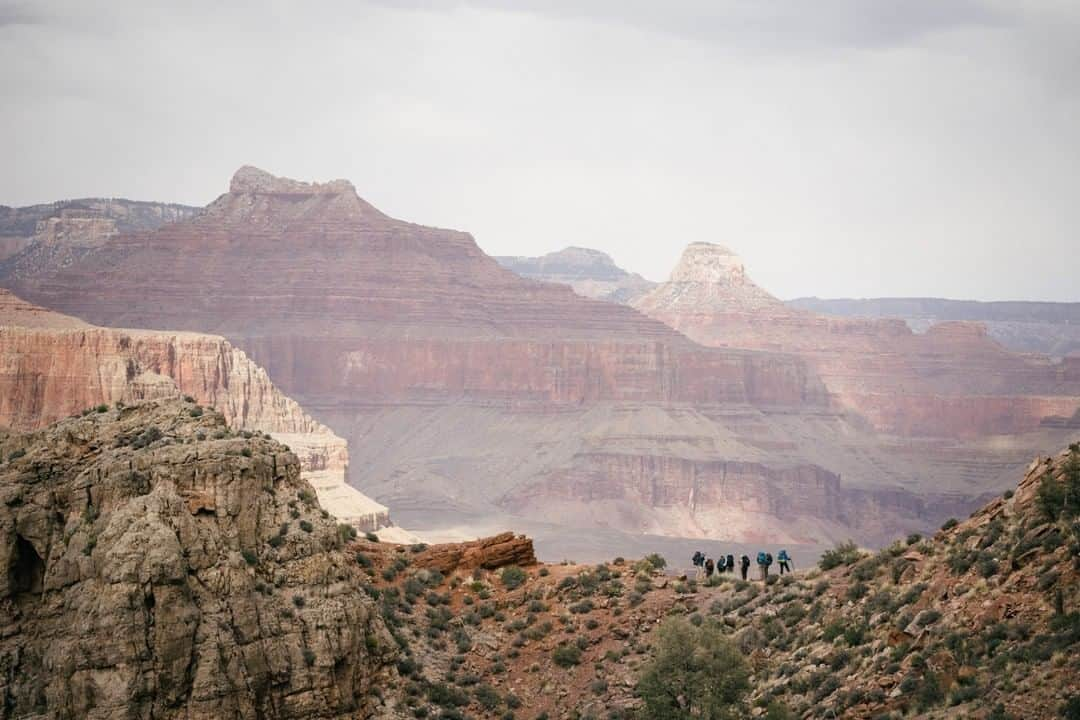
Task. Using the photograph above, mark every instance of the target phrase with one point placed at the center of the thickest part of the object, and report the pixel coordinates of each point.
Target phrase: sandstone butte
(54, 365)
(952, 381)
(473, 399)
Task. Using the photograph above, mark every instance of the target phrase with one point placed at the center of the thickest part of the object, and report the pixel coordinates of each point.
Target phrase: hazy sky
(843, 147)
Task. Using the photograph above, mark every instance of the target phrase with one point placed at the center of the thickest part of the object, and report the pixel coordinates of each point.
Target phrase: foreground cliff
(158, 564)
(53, 366)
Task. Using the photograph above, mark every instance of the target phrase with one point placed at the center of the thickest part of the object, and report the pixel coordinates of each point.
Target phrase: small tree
(695, 673)
(1050, 498)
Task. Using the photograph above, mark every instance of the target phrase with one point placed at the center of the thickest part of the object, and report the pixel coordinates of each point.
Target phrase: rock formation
(81, 222)
(54, 366)
(159, 565)
(952, 381)
(1035, 327)
(467, 392)
(590, 273)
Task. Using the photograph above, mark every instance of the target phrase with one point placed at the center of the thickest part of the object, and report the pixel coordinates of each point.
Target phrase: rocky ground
(159, 564)
(979, 621)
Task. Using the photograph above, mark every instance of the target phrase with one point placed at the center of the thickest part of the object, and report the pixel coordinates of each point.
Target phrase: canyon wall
(953, 380)
(465, 390)
(1047, 328)
(53, 366)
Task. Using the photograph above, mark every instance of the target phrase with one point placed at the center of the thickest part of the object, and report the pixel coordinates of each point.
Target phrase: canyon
(474, 400)
(53, 366)
(1048, 328)
(951, 381)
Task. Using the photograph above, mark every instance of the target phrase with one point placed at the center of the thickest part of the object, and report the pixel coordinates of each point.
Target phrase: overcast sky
(843, 147)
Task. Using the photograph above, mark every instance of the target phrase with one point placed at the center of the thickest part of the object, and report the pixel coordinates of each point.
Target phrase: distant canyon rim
(474, 399)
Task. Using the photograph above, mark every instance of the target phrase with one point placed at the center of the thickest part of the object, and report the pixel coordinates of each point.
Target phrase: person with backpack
(744, 564)
(761, 564)
(768, 564)
(721, 566)
(785, 561)
(708, 568)
(730, 563)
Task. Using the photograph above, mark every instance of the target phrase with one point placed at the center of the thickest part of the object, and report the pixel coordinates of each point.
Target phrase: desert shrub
(843, 554)
(512, 577)
(928, 617)
(1070, 710)
(195, 412)
(929, 693)
(306, 526)
(694, 672)
(834, 630)
(487, 697)
(657, 561)
(299, 601)
(950, 524)
(566, 656)
(16, 454)
(857, 591)
(855, 634)
(249, 557)
(913, 538)
(446, 696)
(964, 694)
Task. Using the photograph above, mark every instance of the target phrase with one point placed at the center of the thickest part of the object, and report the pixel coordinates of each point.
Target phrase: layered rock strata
(54, 366)
(951, 381)
(157, 564)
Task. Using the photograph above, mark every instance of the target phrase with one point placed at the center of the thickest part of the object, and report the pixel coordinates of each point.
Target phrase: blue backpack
(782, 557)
(761, 558)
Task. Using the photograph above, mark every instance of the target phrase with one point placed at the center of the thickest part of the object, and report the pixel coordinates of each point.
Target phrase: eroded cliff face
(155, 566)
(458, 383)
(951, 381)
(54, 366)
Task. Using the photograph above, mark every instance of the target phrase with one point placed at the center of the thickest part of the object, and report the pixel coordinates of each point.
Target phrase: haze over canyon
(473, 399)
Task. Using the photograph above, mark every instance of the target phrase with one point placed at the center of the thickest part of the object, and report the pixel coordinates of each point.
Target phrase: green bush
(195, 412)
(513, 577)
(913, 538)
(299, 601)
(309, 657)
(694, 672)
(657, 561)
(249, 557)
(371, 537)
(950, 524)
(843, 554)
(306, 526)
(16, 454)
(566, 656)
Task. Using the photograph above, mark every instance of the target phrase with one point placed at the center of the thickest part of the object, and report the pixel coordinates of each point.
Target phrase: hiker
(730, 563)
(698, 559)
(744, 563)
(761, 564)
(785, 561)
(768, 564)
(708, 568)
(720, 565)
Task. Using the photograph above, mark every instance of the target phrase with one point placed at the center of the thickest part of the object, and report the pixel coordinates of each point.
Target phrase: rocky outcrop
(590, 273)
(53, 366)
(490, 553)
(951, 381)
(158, 565)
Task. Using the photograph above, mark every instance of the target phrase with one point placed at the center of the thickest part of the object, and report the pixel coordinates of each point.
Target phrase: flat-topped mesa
(250, 179)
(704, 262)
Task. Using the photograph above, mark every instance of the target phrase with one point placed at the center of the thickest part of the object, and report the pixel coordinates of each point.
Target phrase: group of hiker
(706, 566)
